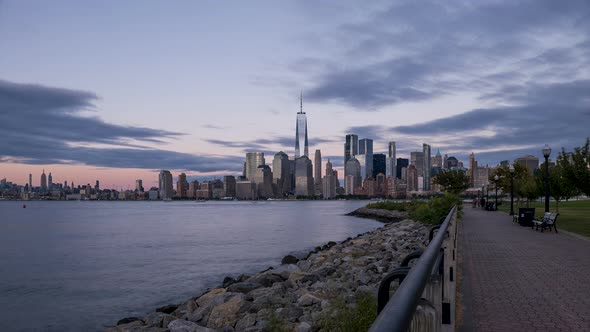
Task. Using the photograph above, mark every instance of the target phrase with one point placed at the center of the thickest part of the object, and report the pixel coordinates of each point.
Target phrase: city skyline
(87, 105)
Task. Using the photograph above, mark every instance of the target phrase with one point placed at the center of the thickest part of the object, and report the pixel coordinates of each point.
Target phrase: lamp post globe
(511, 169)
(496, 178)
(546, 154)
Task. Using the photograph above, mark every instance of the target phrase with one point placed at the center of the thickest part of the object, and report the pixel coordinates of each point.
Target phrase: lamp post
(487, 194)
(546, 154)
(511, 169)
(496, 178)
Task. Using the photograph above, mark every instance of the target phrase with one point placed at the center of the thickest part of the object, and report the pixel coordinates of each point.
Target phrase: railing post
(449, 277)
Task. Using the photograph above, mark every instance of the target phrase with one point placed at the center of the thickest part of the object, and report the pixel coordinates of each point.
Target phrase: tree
(528, 188)
(576, 167)
(521, 176)
(452, 180)
(560, 187)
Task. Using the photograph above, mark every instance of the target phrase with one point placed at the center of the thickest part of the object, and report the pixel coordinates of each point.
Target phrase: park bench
(548, 221)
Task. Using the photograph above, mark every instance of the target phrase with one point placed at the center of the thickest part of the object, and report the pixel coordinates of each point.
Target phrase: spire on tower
(301, 102)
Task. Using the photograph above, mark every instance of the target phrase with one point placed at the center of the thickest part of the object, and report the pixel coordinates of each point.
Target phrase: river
(81, 266)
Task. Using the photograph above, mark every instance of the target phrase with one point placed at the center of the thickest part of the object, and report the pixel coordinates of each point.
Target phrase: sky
(116, 90)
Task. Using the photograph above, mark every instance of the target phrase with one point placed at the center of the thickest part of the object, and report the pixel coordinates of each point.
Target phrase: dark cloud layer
(43, 125)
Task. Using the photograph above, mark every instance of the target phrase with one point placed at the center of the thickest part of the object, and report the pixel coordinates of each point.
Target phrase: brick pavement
(518, 279)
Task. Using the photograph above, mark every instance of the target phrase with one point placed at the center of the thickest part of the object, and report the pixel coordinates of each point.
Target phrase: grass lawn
(574, 216)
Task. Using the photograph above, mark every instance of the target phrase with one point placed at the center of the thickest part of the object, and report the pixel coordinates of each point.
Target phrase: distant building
(317, 173)
(379, 163)
(401, 163)
(193, 186)
(50, 181)
(350, 147)
(229, 186)
(437, 160)
(452, 162)
(412, 178)
(391, 161)
(303, 177)
(472, 169)
(381, 184)
(329, 182)
(31, 182)
(301, 133)
(205, 191)
(365, 157)
(246, 190)
(353, 171)
(139, 185)
(253, 160)
(281, 173)
(530, 162)
(43, 181)
(417, 159)
(263, 180)
(427, 166)
(165, 185)
(153, 195)
(181, 186)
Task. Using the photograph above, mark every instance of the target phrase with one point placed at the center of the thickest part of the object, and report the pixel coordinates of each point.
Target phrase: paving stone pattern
(518, 279)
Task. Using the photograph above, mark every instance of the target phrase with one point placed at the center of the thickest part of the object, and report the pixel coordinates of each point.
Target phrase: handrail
(399, 311)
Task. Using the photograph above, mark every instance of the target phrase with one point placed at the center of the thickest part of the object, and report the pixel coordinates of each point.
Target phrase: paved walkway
(517, 279)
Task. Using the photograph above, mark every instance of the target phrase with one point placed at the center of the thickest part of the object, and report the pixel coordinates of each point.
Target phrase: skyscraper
(352, 169)
(165, 185)
(263, 180)
(366, 150)
(303, 177)
(301, 133)
(400, 163)
(253, 160)
(31, 182)
(329, 182)
(379, 164)
(412, 178)
(139, 185)
(437, 160)
(427, 168)
(281, 173)
(350, 147)
(391, 161)
(50, 181)
(317, 172)
(229, 186)
(181, 186)
(417, 159)
(472, 169)
(43, 181)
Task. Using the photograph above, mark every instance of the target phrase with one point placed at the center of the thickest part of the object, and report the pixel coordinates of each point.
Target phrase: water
(80, 266)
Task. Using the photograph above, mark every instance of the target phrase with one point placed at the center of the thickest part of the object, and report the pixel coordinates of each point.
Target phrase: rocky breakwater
(300, 295)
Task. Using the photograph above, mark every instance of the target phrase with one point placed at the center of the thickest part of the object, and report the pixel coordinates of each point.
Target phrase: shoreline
(301, 294)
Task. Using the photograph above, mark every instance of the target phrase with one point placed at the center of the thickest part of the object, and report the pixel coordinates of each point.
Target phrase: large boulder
(289, 259)
(128, 320)
(243, 287)
(266, 279)
(180, 325)
(307, 299)
(226, 314)
(158, 319)
(167, 309)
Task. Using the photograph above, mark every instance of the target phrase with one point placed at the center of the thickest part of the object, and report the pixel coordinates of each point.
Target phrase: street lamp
(511, 169)
(487, 194)
(496, 178)
(546, 154)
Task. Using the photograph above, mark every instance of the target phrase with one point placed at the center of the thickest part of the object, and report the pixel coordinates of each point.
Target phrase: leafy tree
(560, 187)
(528, 188)
(452, 180)
(521, 176)
(576, 167)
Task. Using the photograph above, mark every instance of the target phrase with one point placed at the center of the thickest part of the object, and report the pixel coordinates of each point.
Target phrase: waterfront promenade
(518, 279)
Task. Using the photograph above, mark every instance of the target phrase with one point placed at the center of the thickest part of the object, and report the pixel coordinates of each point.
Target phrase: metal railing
(425, 298)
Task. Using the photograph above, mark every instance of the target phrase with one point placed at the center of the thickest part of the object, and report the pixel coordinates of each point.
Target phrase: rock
(266, 279)
(228, 281)
(128, 320)
(290, 314)
(180, 325)
(201, 315)
(225, 315)
(167, 309)
(136, 324)
(245, 322)
(289, 259)
(243, 287)
(285, 270)
(209, 296)
(158, 319)
(307, 300)
(304, 265)
(310, 277)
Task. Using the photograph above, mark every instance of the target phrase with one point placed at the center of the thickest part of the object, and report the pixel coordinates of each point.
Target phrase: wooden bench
(548, 221)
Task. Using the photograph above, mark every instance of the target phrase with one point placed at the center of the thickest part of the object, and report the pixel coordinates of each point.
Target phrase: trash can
(526, 216)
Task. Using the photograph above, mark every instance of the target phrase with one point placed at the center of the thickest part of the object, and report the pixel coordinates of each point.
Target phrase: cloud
(43, 125)
(416, 51)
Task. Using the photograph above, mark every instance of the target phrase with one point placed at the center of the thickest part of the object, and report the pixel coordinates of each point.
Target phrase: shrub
(344, 318)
